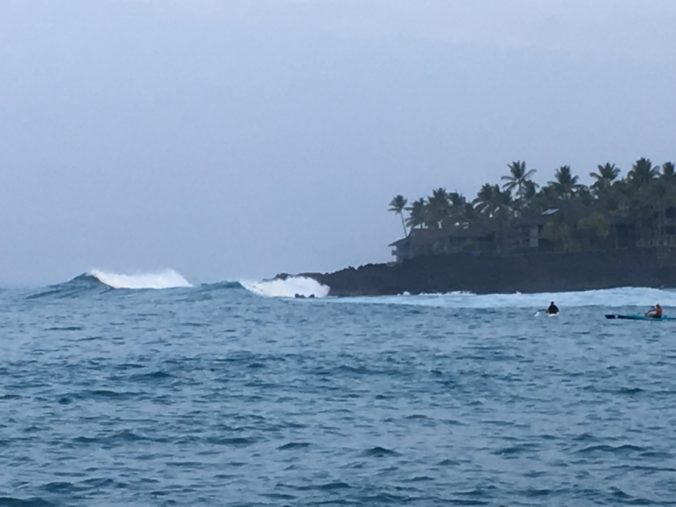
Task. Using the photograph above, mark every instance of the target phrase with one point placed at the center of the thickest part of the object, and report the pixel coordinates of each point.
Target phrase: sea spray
(288, 287)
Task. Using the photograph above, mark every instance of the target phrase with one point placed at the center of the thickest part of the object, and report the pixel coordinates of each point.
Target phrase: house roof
(417, 235)
(422, 236)
(569, 209)
(536, 218)
(400, 242)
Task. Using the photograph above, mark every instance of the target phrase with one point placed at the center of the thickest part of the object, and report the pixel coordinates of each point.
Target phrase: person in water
(655, 312)
(552, 309)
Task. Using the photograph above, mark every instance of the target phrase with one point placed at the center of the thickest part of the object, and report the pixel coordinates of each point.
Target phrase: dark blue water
(215, 396)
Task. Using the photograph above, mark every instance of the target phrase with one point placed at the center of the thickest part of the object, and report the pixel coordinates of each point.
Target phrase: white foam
(288, 288)
(625, 296)
(166, 279)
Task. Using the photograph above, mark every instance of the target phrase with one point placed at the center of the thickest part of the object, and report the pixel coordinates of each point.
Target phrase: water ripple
(174, 398)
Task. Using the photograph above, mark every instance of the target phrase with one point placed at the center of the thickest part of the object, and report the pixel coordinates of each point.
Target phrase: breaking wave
(167, 279)
(101, 281)
(288, 287)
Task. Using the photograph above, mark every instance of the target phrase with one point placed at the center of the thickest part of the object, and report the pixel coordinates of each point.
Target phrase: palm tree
(663, 195)
(639, 192)
(417, 214)
(484, 198)
(518, 177)
(495, 204)
(605, 177)
(457, 211)
(438, 207)
(529, 190)
(565, 184)
(546, 197)
(469, 212)
(492, 201)
(668, 174)
(642, 173)
(397, 205)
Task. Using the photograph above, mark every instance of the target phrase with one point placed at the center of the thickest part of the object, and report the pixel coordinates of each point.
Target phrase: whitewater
(294, 286)
(165, 279)
(146, 389)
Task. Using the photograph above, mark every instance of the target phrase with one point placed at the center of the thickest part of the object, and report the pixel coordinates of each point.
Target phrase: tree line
(642, 194)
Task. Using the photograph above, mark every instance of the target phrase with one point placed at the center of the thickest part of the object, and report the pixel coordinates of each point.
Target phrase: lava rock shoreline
(493, 273)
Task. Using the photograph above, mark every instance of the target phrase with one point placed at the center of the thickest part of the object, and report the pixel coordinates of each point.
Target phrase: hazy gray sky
(241, 139)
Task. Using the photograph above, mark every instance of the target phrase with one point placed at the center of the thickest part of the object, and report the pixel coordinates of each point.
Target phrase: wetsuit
(553, 308)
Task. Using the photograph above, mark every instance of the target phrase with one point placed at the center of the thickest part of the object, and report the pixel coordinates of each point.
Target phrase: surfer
(552, 309)
(655, 312)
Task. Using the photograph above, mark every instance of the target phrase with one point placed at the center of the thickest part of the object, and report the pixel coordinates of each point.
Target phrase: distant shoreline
(508, 273)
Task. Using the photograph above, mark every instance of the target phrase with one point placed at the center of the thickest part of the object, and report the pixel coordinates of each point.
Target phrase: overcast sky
(240, 139)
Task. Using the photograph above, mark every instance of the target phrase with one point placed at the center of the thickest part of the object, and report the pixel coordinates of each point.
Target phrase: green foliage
(518, 178)
(641, 174)
(417, 212)
(639, 201)
(397, 205)
(493, 202)
(437, 208)
(593, 230)
(565, 185)
(560, 235)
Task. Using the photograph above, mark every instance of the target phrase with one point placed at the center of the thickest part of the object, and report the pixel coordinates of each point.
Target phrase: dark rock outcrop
(533, 272)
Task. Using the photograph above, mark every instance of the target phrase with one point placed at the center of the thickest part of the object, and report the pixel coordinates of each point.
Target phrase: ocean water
(219, 395)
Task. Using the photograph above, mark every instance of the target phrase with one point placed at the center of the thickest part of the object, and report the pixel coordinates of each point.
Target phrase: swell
(84, 283)
(226, 285)
(101, 281)
(87, 283)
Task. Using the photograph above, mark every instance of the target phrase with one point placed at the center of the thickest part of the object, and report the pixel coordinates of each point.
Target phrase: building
(463, 237)
(567, 226)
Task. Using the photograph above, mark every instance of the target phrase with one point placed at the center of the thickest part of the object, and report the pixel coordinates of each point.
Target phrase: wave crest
(226, 285)
(288, 287)
(166, 279)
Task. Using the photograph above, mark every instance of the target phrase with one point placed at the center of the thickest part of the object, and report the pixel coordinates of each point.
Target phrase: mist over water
(213, 394)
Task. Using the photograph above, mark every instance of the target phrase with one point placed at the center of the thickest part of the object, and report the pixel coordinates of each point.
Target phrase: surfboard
(537, 314)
